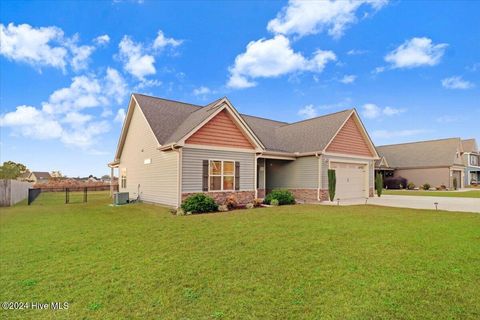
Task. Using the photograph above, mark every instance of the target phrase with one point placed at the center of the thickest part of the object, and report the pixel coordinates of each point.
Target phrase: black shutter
(237, 175)
(205, 176)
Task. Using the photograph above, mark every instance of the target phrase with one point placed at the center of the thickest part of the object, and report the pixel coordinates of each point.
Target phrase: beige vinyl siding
(326, 159)
(157, 181)
(433, 176)
(192, 167)
(301, 173)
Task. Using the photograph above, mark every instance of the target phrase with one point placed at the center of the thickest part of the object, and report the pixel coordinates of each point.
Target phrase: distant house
(38, 177)
(169, 150)
(436, 162)
(471, 159)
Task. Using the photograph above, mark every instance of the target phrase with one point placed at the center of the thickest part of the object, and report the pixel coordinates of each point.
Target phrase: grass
(454, 194)
(290, 262)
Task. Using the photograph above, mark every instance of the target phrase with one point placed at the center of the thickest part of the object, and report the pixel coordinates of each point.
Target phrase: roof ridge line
(421, 141)
(318, 117)
(158, 98)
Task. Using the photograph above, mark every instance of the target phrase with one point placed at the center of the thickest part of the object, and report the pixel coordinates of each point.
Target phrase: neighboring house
(436, 162)
(169, 150)
(471, 159)
(24, 176)
(37, 177)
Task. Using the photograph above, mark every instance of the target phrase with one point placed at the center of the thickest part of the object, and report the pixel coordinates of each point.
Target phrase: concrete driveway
(418, 202)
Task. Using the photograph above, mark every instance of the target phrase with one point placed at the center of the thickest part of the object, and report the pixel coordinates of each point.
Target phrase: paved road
(418, 202)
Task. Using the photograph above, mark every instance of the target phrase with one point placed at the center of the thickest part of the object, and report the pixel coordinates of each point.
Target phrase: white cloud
(387, 134)
(348, 79)
(448, 119)
(416, 52)
(356, 52)
(120, 117)
(201, 91)
(372, 111)
(457, 82)
(273, 58)
(309, 111)
(310, 17)
(378, 70)
(161, 41)
(35, 46)
(102, 40)
(63, 116)
(135, 60)
(43, 46)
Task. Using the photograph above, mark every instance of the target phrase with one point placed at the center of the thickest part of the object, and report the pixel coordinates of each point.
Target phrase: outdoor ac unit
(120, 198)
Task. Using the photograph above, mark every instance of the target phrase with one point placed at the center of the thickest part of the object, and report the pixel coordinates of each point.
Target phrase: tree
(332, 183)
(105, 177)
(379, 184)
(11, 170)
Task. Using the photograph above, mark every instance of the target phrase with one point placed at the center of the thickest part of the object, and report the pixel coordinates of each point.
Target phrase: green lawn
(293, 262)
(455, 194)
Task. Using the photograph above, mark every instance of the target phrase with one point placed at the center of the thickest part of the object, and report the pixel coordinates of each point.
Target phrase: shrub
(395, 182)
(249, 206)
(379, 184)
(455, 183)
(274, 202)
(426, 186)
(332, 183)
(231, 202)
(199, 203)
(257, 203)
(180, 212)
(283, 197)
(411, 186)
(223, 208)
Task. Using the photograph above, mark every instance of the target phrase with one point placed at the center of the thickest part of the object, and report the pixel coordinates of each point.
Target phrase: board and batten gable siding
(220, 131)
(350, 140)
(192, 166)
(326, 159)
(301, 173)
(156, 181)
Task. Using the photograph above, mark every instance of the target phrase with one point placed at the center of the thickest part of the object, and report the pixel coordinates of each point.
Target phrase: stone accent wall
(261, 193)
(371, 193)
(243, 197)
(304, 195)
(324, 195)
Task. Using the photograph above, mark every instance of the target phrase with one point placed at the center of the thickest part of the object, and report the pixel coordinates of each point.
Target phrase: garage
(352, 179)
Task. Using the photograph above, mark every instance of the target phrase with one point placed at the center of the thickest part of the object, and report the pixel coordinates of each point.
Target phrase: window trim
(221, 175)
(123, 178)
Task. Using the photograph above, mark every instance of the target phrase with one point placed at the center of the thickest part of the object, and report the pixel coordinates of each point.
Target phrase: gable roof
(171, 121)
(42, 175)
(432, 153)
(469, 145)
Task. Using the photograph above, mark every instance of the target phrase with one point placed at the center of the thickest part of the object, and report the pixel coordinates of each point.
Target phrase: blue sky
(412, 69)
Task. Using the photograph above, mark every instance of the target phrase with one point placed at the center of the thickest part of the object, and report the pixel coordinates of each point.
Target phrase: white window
(123, 181)
(221, 175)
(473, 160)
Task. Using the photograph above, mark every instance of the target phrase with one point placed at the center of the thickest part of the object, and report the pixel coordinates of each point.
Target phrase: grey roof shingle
(172, 120)
(469, 145)
(433, 153)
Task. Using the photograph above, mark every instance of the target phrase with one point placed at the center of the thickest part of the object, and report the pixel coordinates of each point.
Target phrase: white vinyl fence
(13, 191)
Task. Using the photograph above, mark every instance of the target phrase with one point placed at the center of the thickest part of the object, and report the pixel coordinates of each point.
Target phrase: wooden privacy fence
(12, 191)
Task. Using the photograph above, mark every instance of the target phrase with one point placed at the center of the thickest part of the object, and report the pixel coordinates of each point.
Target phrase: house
(168, 150)
(436, 162)
(471, 160)
(35, 176)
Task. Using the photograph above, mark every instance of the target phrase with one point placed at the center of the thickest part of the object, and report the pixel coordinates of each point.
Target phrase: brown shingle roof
(469, 145)
(433, 153)
(172, 120)
(42, 175)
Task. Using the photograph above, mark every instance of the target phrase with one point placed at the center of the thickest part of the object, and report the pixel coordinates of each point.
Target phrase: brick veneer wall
(243, 197)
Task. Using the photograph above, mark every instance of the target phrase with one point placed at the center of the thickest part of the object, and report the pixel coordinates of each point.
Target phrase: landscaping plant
(411, 186)
(379, 184)
(283, 196)
(231, 202)
(426, 186)
(455, 183)
(332, 182)
(199, 203)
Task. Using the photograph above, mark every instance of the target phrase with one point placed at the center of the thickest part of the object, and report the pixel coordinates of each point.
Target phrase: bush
(257, 203)
(283, 197)
(379, 184)
(199, 203)
(223, 208)
(455, 183)
(426, 186)
(274, 202)
(332, 183)
(411, 186)
(395, 182)
(231, 202)
(249, 206)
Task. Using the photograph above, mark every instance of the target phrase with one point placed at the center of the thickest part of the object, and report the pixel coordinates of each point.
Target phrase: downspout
(179, 175)
(319, 175)
(256, 174)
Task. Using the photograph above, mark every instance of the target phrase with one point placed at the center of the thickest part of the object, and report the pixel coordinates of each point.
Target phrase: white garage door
(351, 180)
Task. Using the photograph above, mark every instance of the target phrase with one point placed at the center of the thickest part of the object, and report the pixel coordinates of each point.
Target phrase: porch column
(111, 181)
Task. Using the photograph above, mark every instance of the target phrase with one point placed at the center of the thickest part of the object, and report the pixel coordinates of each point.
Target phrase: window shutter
(237, 175)
(205, 176)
